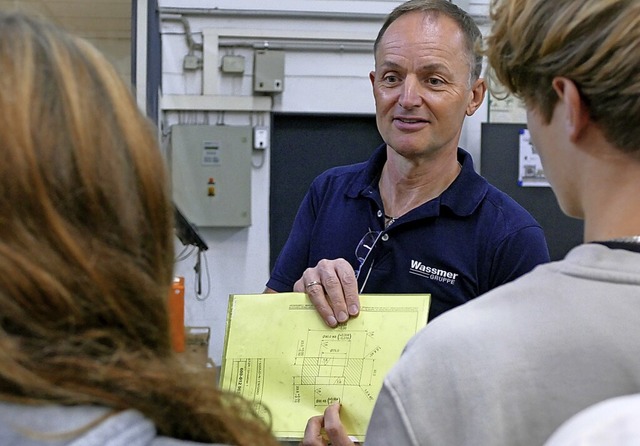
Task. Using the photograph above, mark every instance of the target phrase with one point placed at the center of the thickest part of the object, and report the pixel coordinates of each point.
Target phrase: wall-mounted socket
(260, 137)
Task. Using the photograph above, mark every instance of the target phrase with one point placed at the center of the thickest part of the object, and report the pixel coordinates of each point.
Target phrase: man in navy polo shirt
(416, 217)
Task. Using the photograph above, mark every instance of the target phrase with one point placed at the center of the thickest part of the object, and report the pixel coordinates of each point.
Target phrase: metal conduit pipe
(275, 13)
(274, 44)
(331, 15)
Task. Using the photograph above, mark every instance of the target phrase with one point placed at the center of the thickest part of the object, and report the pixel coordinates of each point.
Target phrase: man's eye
(435, 81)
(391, 79)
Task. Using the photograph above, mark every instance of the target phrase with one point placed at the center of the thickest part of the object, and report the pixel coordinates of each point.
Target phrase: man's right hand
(332, 287)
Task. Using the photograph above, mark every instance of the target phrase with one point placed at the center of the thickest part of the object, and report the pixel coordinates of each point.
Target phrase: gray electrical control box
(232, 64)
(211, 173)
(268, 71)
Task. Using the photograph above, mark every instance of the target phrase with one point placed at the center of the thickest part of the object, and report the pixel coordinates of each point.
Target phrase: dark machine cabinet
(499, 165)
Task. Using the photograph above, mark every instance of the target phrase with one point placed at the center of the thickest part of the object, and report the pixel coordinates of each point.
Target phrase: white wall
(327, 80)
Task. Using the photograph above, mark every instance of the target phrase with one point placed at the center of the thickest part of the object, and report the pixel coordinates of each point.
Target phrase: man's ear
(576, 112)
(478, 90)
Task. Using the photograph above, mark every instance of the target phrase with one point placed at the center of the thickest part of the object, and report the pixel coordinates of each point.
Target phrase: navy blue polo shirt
(470, 239)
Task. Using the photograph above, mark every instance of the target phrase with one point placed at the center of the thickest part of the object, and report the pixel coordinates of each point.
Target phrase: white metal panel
(211, 173)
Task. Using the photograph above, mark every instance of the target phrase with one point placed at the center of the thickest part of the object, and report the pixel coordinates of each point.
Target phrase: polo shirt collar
(462, 197)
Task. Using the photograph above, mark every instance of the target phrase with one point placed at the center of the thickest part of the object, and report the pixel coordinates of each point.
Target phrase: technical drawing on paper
(329, 362)
(280, 355)
(325, 362)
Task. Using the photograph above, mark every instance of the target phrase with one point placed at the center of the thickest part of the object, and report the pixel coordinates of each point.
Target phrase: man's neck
(609, 198)
(406, 184)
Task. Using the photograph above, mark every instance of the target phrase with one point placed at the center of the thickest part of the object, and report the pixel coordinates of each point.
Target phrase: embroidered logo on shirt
(432, 273)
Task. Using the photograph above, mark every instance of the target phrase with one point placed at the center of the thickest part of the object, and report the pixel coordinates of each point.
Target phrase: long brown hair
(86, 245)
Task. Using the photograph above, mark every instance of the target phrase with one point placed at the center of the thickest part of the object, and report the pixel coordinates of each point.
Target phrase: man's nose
(409, 95)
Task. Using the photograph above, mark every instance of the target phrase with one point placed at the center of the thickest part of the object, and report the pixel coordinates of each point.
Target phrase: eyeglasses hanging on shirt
(365, 259)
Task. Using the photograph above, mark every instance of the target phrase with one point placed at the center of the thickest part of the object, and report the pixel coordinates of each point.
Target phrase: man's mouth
(410, 123)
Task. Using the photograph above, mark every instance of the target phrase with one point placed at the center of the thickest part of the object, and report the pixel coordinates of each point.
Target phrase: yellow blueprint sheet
(279, 353)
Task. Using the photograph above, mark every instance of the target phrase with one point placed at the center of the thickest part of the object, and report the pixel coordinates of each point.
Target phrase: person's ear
(372, 77)
(576, 112)
(478, 90)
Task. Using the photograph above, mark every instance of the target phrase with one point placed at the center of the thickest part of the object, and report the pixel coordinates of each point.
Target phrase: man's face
(421, 85)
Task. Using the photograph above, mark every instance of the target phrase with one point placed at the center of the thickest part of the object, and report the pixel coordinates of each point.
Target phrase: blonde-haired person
(511, 367)
(86, 260)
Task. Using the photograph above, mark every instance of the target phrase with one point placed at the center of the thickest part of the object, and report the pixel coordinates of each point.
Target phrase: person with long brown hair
(86, 262)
